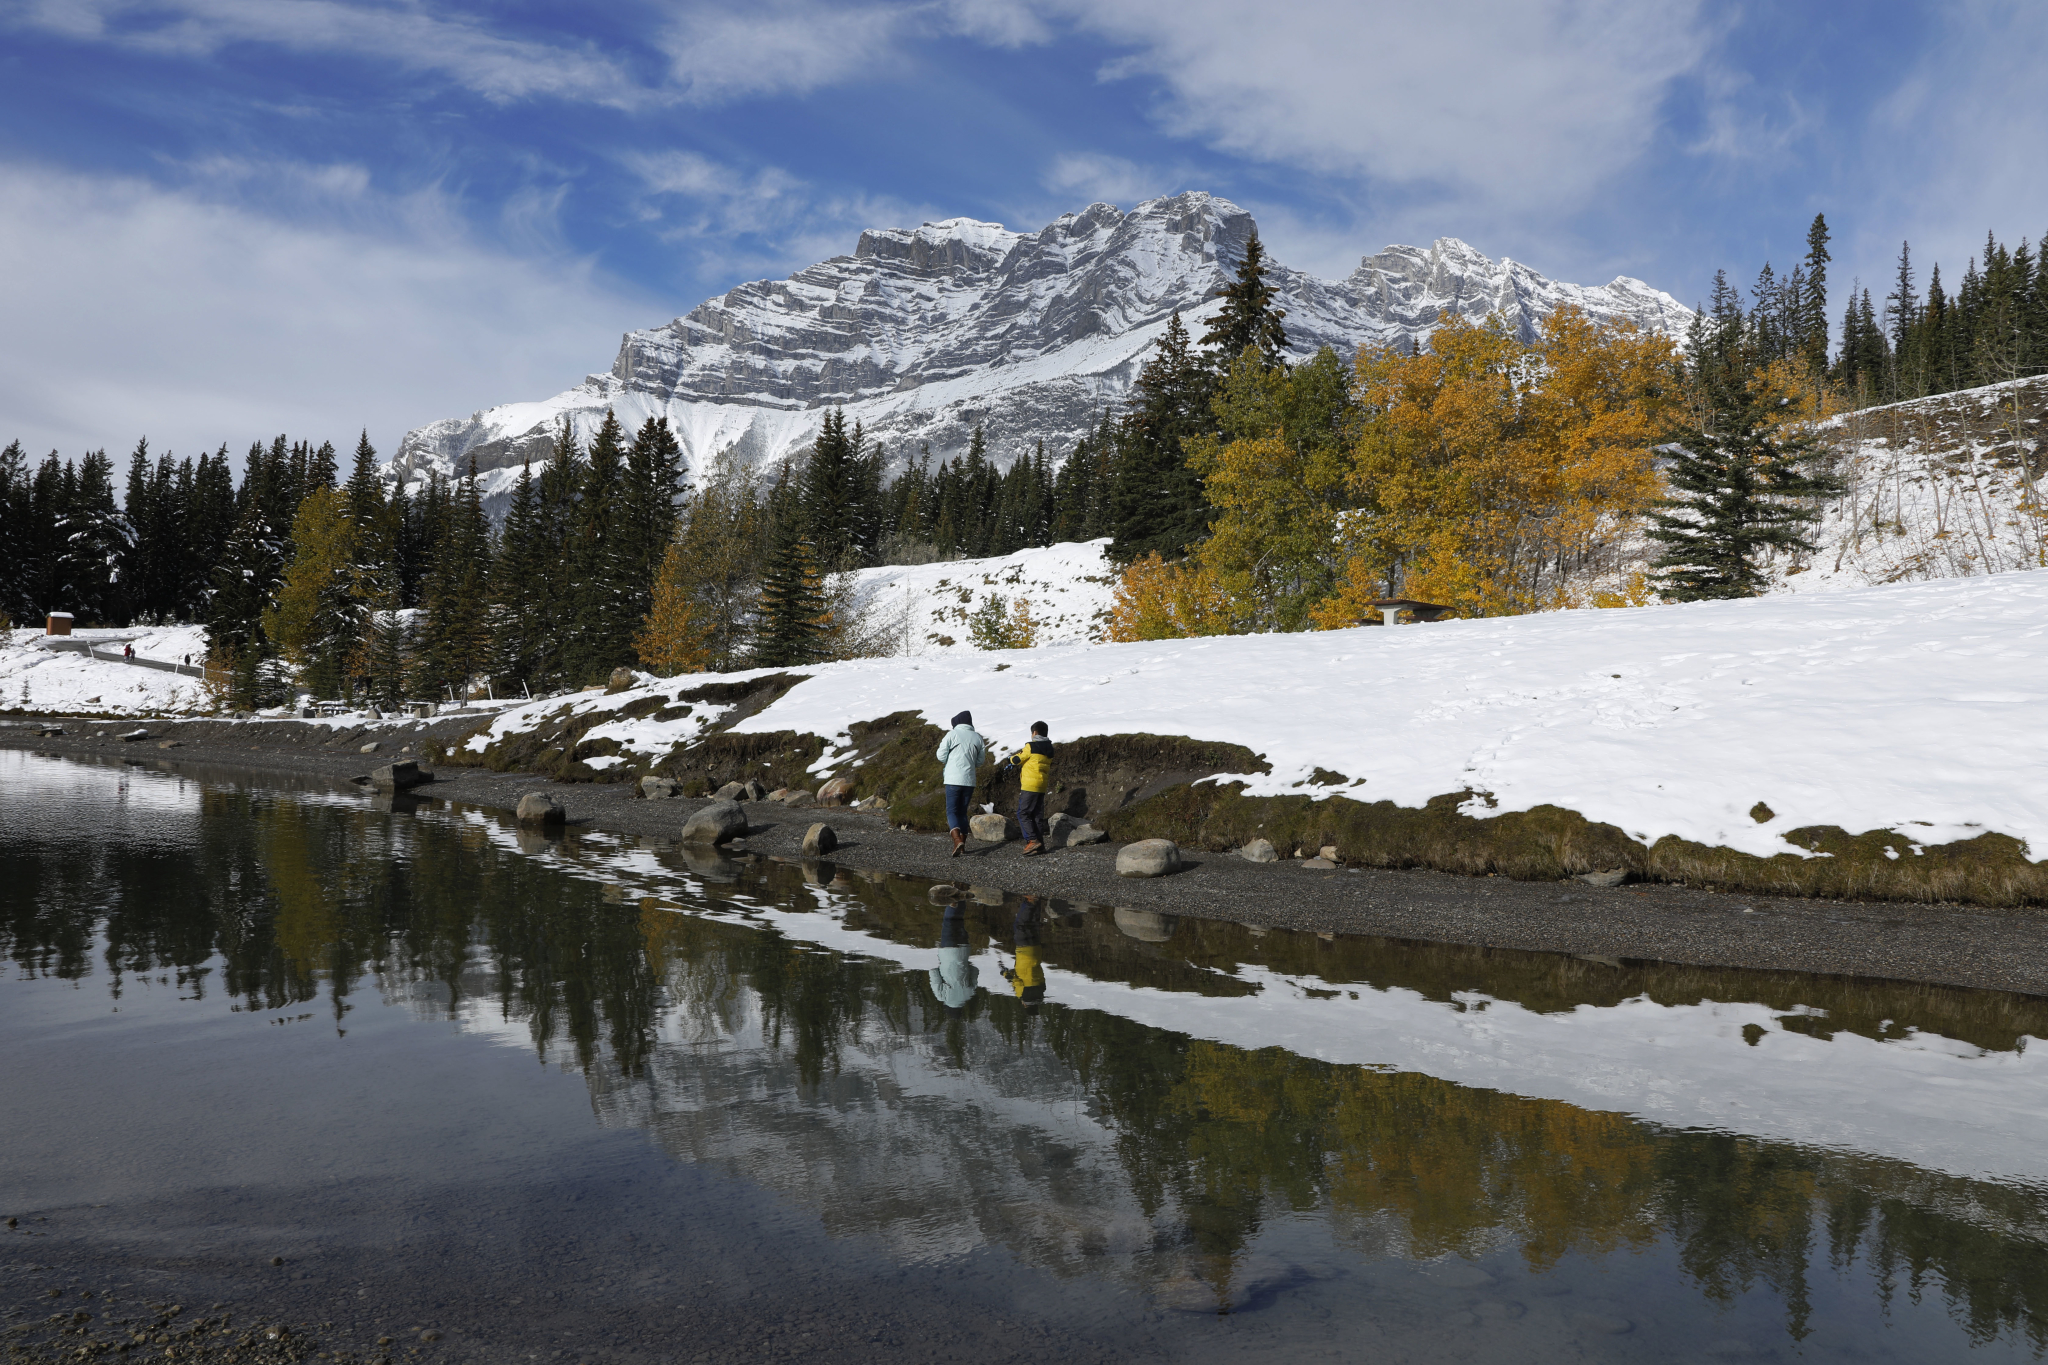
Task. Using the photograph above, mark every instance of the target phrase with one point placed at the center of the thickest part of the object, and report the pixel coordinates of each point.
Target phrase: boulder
(715, 823)
(399, 776)
(756, 792)
(1146, 926)
(1148, 858)
(778, 794)
(1085, 834)
(1259, 851)
(989, 827)
(1318, 864)
(657, 788)
(134, 735)
(1057, 827)
(49, 731)
(819, 840)
(369, 748)
(797, 798)
(622, 678)
(538, 810)
(1329, 852)
(731, 791)
(170, 744)
(1612, 877)
(836, 792)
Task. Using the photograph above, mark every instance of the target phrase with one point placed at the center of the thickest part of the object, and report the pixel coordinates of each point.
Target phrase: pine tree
(1249, 320)
(647, 509)
(831, 493)
(1739, 482)
(454, 647)
(1813, 299)
(520, 620)
(1156, 502)
(793, 621)
(17, 545)
(96, 540)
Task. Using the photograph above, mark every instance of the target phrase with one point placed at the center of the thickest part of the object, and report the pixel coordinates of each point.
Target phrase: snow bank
(33, 678)
(1916, 707)
(926, 606)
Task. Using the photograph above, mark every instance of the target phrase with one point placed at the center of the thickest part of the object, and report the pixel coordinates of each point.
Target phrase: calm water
(600, 1099)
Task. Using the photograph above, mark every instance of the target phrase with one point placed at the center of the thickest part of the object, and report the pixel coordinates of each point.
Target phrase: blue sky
(221, 219)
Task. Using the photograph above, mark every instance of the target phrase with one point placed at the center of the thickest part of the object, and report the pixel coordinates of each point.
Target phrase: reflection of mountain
(1099, 1140)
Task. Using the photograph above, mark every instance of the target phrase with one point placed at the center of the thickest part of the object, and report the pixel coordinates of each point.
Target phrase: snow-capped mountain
(923, 333)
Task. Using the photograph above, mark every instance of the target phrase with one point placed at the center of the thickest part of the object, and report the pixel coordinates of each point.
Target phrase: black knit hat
(964, 718)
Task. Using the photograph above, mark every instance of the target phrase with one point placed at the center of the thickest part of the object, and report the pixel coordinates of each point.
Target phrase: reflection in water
(1059, 1120)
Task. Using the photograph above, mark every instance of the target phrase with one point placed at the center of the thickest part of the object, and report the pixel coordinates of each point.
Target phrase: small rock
(1085, 834)
(1320, 864)
(1148, 858)
(622, 678)
(715, 823)
(731, 791)
(1147, 926)
(538, 810)
(399, 776)
(1058, 827)
(797, 798)
(134, 735)
(170, 744)
(819, 840)
(778, 793)
(1611, 877)
(1328, 851)
(658, 788)
(989, 827)
(430, 1335)
(277, 1260)
(49, 731)
(369, 748)
(756, 792)
(1259, 851)
(836, 792)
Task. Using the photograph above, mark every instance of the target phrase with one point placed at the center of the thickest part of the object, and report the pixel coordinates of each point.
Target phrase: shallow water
(602, 1099)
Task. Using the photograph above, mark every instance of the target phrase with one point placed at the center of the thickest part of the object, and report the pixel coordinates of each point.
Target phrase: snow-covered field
(926, 606)
(1918, 708)
(33, 678)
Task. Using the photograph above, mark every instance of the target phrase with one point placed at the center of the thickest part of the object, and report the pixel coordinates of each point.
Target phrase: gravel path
(2001, 949)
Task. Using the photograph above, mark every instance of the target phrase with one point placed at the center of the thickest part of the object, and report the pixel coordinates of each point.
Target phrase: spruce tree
(454, 644)
(832, 493)
(1156, 502)
(17, 552)
(1813, 299)
(605, 579)
(1250, 319)
(793, 623)
(520, 583)
(1740, 484)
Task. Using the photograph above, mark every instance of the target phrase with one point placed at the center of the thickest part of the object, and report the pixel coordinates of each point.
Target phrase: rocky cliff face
(923, 333)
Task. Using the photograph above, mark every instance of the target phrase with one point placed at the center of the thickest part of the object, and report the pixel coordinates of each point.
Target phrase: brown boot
(959, 843)
(1033, 847)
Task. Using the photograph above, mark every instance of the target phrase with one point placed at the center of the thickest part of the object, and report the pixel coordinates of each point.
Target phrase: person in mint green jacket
(962, 751)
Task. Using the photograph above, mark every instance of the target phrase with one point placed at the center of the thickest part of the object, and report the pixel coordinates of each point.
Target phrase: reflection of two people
(955, 980)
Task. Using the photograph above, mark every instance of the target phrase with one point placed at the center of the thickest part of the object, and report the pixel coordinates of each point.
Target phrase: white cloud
(137, 310)
(408, 37)
(720, 53)
(1110, 179)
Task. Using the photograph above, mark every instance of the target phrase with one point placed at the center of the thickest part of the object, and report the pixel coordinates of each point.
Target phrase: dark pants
(959, 805)
(1031, 815)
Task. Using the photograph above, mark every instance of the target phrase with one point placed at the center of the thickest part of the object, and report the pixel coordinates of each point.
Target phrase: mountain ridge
(923, 333)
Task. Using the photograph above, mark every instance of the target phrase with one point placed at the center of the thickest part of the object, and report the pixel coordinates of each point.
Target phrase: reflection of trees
(283, 901)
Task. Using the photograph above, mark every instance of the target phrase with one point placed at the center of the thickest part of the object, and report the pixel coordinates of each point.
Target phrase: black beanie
(964, 718)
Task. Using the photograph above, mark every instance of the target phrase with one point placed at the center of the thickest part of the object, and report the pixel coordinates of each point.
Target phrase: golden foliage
(1160, 601)
(1486, 470)
(321, 572)
(674, 637)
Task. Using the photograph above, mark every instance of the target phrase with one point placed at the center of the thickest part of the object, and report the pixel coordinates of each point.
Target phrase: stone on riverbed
(657, 788)
(797, 798)
(399, 776)
(1148, 858)
(819, 840)
(538, 810)
(715, 823)
(1612, 877)
(989, 827)
(134, 735)
(731, 791)
(1259, 851)
(1085, 834)
(835, 792)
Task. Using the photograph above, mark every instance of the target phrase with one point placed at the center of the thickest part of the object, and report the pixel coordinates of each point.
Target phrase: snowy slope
(925, 606)
(1874, 708)
(34, 678)
(923, 333)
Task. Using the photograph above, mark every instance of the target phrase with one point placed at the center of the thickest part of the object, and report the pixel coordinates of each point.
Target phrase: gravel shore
(1946, 944)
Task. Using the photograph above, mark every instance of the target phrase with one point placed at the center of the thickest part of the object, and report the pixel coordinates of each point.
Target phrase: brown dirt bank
(1948, 943)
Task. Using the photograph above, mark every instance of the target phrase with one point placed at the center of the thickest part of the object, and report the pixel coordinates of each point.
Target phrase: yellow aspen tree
(1159, 601)
(674, 638)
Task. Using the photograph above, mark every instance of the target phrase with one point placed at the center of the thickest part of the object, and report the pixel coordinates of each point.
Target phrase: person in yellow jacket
(1034, 780)
(1027, 978)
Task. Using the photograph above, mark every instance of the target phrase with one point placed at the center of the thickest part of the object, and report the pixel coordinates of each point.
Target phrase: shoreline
(1942, 944)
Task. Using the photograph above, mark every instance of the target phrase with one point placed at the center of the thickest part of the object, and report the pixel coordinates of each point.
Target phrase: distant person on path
(127, 651)
(962, 751)
(1034, 779)
(955, 979)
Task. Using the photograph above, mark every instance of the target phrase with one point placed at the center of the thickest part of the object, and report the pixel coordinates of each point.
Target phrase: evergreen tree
(832, 492)
(17, 544)
(606, 584)
(793, 621)
(454, 646)
(647, 510)
(1156, 503)
(1741, 484)
(96, 541)
(1813, 299)
(520, 618)
(1250, 319)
